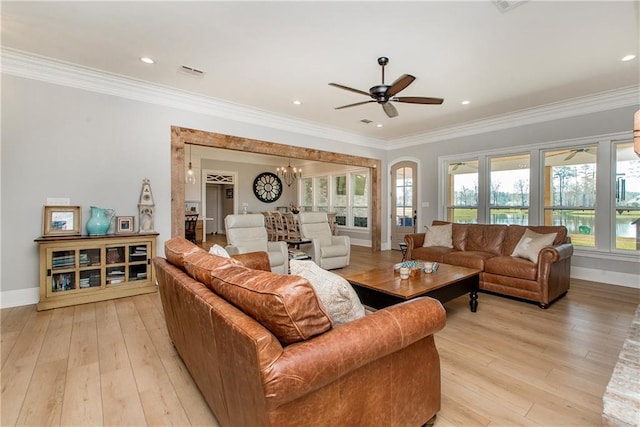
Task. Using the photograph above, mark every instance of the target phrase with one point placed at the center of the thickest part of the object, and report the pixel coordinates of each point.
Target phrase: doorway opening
(218, 201)
(404, 198)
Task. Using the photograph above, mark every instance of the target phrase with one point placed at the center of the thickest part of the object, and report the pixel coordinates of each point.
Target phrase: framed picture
(125, 224)
(61, 221)
(229, 193)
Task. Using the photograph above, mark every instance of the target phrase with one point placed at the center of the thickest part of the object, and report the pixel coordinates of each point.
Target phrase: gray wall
(95, 149)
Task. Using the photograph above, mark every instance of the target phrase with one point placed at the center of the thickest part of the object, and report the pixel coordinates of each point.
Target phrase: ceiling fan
(383, 93)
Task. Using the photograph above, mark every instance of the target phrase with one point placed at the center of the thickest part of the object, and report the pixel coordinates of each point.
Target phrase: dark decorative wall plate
(267, 187)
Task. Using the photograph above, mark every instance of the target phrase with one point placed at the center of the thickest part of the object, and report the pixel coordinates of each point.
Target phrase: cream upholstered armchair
(247, 233)
(327, 251)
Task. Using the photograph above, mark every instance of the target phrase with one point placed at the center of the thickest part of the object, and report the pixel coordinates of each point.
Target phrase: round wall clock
(267, 187)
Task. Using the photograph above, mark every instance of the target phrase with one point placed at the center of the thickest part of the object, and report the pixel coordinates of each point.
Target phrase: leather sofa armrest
(254, 260)
(413, 241)
(307, 366)
(552, 254)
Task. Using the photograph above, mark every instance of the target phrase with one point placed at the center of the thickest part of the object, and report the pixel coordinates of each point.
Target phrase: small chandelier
(289, 174)
(190, 177)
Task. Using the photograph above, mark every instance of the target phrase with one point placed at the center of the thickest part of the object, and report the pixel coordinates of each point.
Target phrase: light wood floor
(509, 364)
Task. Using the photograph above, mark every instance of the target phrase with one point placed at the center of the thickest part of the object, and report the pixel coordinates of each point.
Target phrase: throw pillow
(219, 251)
(335, 293)
(531, 243)
(439, 235)
(285, 305)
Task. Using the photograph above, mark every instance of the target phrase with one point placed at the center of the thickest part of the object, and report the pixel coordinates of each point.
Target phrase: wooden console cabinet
(82, 269)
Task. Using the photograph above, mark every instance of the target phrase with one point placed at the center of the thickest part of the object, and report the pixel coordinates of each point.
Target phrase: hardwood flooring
(509, 364)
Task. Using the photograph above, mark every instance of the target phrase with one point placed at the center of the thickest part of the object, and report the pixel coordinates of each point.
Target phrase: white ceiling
(267, 54)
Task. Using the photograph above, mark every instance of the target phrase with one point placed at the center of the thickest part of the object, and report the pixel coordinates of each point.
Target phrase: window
(570, 192)
(306, 185)
(345, 194)
(462, 200)
(509, 190)
(627, 195)
(322, 194)
(340, 198)
(404, 197)
(360, 199)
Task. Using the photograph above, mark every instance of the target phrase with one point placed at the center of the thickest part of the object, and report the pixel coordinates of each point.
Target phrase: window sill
(609, 255)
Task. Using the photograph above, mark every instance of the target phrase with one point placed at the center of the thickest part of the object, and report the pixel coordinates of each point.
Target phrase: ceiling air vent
(192, 71)
(507, 5)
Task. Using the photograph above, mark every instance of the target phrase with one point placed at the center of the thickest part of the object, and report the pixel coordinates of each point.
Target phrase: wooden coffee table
(382, 287)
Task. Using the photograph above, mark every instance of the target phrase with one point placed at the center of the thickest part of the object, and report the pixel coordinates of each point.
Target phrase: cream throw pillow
(439, 235)
(219, 251)
(531, 244)
(334, 292)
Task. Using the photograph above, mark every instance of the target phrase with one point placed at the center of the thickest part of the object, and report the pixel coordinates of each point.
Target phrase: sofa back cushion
(479, 237)
(200, 264)
(286, 305)
(177, 248)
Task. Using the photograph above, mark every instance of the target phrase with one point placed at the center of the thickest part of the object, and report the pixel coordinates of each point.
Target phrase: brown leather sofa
(489, 247)
(381, 369)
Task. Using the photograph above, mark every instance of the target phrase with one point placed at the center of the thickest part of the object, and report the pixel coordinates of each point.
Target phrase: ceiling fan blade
(572, 155)
(356, 104)
(390, 110)
(402, 82)
(361, 92)
(418, 100)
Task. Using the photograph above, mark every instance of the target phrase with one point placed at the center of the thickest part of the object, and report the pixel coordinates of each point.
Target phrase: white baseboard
(604, 276)
(360, 242)
(19, 297)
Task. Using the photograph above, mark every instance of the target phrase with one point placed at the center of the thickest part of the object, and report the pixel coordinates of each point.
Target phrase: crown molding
(619, 98)
(30, 66)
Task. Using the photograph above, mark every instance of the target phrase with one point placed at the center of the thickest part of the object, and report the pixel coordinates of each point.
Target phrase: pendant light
(190, 177)
(289, 174)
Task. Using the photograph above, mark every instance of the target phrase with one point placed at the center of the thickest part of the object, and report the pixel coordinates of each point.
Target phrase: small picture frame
(229, 193)
(125, 224)
(61, 221)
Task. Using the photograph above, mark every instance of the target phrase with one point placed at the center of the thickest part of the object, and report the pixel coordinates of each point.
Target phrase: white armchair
(247, 233)
(327, 251)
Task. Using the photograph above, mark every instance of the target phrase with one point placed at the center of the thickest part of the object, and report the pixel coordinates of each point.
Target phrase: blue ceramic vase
(100, 221)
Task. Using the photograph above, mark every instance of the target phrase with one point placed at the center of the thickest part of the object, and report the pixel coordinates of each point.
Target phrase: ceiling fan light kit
(383, 94)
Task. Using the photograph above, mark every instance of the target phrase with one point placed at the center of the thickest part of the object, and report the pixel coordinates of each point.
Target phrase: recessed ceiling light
(296, 102)
(147, 60)
(379, 125)
(628, 58)
(466, 102)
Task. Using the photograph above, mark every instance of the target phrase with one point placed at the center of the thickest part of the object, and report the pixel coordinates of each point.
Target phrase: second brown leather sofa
(488, 248)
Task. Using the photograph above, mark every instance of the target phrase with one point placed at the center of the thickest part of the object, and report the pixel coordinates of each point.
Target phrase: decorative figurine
(146, 208)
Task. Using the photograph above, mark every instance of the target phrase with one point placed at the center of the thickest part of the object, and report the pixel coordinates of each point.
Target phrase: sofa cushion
(432, 253)
(285, 305)
(176, 248)
(200, 264)
(511, 266)
(531, 244)
(438, 235)
(469, 259)
(485, 238)
(335, 293)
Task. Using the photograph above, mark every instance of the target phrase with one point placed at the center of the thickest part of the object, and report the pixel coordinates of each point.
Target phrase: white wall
(95, 149)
